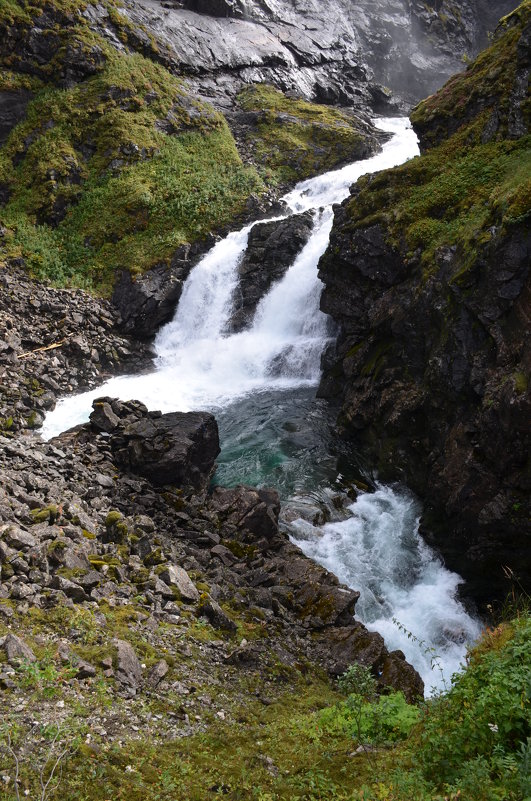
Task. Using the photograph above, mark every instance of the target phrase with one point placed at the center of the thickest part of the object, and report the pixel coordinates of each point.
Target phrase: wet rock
(272, 248)
(395, 672)
(12, 110)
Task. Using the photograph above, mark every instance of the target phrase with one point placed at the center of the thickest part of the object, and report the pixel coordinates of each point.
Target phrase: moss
(449, 197)
(489, 78)
(240, 550)
(117, 171)
(520, 383)
(156, 557)
(112, 518)
(46, 513)
(294, 139)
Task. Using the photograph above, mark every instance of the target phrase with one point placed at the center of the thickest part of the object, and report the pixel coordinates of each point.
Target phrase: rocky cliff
(427, 273)
(362, 53)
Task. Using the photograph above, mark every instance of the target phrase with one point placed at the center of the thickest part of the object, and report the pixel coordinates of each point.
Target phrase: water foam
(407, 595)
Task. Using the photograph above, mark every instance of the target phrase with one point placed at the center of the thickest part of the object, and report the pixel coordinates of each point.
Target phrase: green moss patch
(294, 139)
(116, 172)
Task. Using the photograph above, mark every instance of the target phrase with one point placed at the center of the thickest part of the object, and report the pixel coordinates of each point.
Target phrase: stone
(177, 577)
(216, 616)
(102, 417)
(272, 248)
(70, 588)
(176, 448)
(16, 650)
(128, 668)
(157, 673)
(17, 538)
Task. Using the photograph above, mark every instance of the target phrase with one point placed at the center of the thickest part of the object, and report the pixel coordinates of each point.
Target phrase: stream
(260, 384)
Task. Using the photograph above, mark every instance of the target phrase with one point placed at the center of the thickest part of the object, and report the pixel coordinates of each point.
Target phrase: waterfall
(197, 367)
(259, 384)
(406, 594)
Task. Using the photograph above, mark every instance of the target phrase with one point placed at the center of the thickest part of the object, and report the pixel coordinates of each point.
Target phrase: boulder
(178, 577)
(128, 668)
(272, 247)
(178, 448)
(16, 650)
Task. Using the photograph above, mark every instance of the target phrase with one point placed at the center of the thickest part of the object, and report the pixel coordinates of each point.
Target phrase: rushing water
(405, 592)
(261, 385)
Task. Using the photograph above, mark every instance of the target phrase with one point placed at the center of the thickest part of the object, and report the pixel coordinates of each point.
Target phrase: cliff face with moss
(110, 162)
(427, 273)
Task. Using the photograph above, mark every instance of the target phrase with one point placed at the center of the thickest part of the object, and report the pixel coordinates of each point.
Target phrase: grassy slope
(121, 168)
(472, 744)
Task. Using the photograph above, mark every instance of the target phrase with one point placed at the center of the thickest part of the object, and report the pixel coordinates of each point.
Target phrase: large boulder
(177, 448)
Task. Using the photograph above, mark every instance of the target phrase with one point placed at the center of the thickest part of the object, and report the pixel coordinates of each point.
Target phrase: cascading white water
(406, 593)
(200, 367)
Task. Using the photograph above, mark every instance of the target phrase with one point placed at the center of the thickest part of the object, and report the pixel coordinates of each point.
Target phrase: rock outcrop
(427, 273)
(271, 249)
(177, 448)
(367, 54)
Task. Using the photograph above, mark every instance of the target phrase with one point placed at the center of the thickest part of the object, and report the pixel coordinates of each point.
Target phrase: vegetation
(116, 167)
(293, 139)
(310, 741)
(117, 172)
(473, 182)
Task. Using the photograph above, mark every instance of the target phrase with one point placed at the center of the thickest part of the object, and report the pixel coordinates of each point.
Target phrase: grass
(294, 139)
(451, 196)
(115, 172)
(472, 743)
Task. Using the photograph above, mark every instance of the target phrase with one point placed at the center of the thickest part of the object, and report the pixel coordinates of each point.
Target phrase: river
(260, 384)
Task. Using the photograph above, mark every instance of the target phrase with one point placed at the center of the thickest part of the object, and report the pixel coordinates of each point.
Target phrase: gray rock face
(338, 52)
(148, 301)
(12, 110)
(177, 577)
(271, 249)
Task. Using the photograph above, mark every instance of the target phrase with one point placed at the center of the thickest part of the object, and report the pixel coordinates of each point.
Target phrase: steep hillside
(427, 273)
(108, 161)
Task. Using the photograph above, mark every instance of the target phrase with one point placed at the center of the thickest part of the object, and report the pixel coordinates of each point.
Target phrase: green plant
(43, 676)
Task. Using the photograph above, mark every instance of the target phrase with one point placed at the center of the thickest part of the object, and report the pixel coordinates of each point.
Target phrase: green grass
(294, 139)
(131, 191)
(449, 197)
(472, 743)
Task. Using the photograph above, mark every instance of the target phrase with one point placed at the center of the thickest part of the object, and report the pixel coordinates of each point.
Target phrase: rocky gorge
(140, 608)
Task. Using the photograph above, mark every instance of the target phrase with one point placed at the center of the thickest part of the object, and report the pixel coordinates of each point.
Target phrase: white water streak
(379, 552)
(199, 368)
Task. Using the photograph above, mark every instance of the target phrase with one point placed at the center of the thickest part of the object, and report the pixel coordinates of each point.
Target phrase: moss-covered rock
(292, 139)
